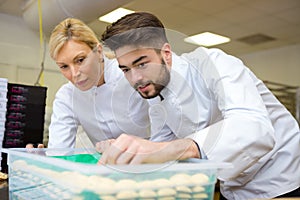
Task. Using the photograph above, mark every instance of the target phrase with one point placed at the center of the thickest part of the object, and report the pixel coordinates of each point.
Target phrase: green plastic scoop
(81, 158)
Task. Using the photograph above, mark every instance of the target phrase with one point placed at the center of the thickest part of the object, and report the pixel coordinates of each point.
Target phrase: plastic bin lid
(46, 156)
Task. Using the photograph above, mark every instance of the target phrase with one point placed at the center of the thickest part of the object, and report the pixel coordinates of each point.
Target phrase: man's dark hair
(136, 29)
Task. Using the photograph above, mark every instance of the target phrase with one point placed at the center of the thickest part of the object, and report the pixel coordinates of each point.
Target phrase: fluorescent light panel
(115, 15)
(207, 39)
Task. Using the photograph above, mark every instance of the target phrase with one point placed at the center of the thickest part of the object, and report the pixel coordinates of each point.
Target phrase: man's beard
(159, 84)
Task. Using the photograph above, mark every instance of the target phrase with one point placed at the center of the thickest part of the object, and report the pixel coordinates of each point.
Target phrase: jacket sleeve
(63, 125)
(245, 134)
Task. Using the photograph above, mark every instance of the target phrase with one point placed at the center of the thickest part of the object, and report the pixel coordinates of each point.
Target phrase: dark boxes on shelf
(25, 115)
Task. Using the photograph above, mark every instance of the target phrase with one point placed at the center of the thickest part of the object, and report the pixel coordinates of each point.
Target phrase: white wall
(281, 65)
(21, 56)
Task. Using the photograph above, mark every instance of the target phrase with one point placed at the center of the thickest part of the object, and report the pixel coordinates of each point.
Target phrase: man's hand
(129, 149)
(104, 145)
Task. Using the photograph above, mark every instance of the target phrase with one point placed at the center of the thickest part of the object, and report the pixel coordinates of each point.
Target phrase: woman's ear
(100, 51)
(99, 48)
(167, 54)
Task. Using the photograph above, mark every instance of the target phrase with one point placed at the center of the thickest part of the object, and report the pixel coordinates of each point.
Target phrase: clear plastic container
(3, 83)
(3, 94)
(36, 174)
(3, 104)
(2, 115)
(3, 88)
(2, 124)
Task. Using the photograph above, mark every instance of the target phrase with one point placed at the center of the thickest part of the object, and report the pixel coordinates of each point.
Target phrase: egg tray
(36, 175)
(38, 186)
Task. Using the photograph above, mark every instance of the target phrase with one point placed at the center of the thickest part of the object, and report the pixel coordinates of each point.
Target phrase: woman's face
(80, 65)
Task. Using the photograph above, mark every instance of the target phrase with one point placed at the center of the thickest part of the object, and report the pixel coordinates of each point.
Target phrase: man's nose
(136, 75)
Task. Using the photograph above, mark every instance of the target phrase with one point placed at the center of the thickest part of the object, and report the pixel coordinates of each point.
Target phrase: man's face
(145, 70)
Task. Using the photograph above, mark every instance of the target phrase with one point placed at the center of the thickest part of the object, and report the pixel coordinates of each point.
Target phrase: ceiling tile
(146, 5)
(238, 14)
(273, 6)
(265, 23)
(291, 15)
(233, 18)
(208, 7)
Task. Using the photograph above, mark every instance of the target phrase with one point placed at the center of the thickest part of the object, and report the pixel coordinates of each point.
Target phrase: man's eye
(124, 70)
(141, 65)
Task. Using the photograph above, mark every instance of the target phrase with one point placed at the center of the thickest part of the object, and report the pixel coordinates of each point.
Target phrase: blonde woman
(94, 97)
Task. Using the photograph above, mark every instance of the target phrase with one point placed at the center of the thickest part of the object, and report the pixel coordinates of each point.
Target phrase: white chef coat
(215, 100)
(104, 112)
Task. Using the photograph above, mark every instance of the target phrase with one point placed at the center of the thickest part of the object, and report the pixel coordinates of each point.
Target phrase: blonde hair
(71, 29)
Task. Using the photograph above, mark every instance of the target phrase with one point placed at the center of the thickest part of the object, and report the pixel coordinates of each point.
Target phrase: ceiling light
(115, 15)
(207, 39)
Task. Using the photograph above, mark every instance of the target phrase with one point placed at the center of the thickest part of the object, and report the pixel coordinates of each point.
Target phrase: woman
(94, 96)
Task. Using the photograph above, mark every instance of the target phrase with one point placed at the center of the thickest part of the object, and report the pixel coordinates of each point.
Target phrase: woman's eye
(80, 60)
(63, 67)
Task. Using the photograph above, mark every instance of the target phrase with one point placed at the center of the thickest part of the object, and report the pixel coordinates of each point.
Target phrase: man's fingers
(102, 160)
(99, 147)
(112, 150)
(124, 150)
(127, 156)
(102, 146)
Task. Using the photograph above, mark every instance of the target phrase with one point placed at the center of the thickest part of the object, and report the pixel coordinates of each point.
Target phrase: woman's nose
(75, 70)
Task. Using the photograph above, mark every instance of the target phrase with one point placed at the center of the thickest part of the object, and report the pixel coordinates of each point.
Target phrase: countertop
(4, 190)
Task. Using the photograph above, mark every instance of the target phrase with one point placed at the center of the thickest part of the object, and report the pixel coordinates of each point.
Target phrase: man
(204, 104)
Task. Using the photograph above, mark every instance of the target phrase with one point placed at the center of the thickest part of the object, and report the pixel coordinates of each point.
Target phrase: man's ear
(166, 53)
